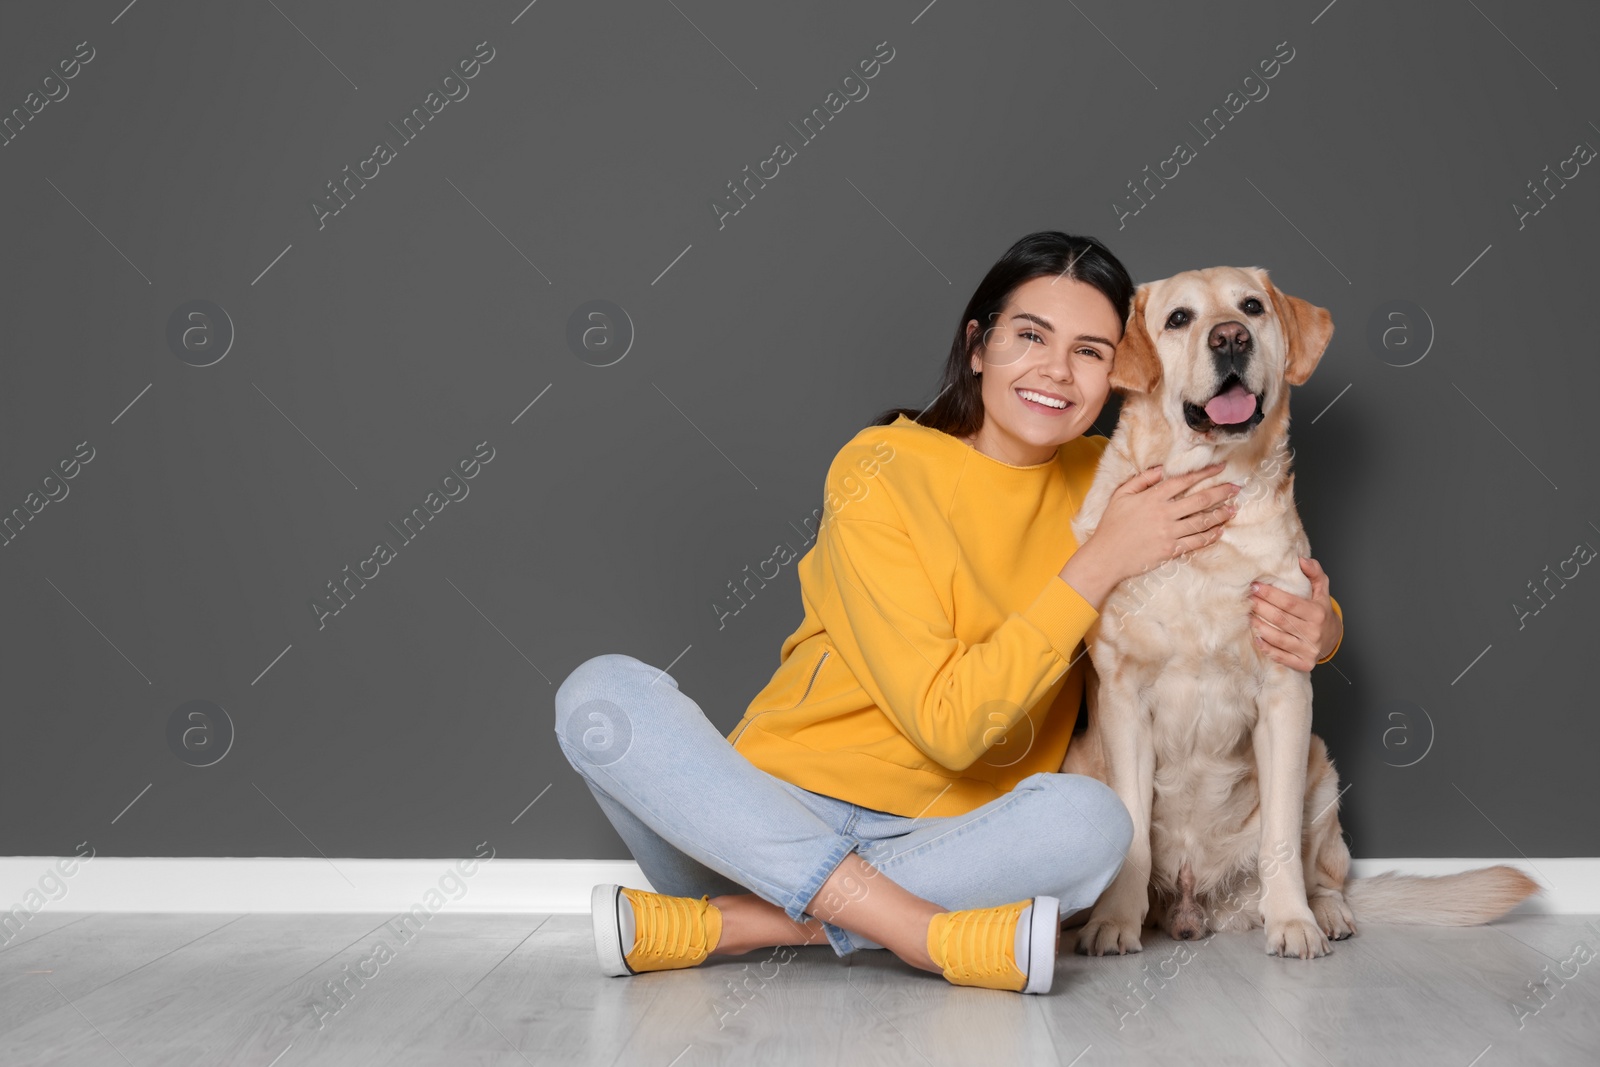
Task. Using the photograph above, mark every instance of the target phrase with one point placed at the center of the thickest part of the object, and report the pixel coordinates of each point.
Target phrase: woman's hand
(1294, 630)
(1150, 520)
(1146, 522)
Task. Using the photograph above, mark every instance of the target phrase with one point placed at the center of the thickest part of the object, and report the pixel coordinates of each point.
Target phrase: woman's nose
(1060, 368)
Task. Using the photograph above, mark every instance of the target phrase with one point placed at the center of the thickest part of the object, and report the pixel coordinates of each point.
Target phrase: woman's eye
(1177, 319)
(1095, 352)
(1031, 336)
(1252, 306)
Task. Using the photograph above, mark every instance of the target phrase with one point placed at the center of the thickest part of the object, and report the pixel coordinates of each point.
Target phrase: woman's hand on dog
(1294, 630)
(1150, 519)
(1147, 521)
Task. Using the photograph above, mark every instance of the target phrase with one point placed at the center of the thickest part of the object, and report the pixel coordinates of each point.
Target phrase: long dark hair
(958, 409)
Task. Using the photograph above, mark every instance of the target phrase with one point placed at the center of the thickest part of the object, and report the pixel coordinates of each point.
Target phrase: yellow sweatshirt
(940, 658)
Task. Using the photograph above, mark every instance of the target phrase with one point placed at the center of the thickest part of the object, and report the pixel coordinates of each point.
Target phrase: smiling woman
(1050, 362)
(1051, 313)
(886, 788)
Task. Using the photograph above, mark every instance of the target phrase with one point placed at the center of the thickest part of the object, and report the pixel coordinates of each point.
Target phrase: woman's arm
(869, 586)
(1297, 631)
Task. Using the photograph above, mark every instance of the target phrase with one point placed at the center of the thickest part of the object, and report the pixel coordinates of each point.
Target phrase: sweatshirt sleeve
(1339, 612)
(951, 699)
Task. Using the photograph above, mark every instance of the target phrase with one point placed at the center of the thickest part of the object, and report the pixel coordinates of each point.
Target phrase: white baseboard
(31, 884)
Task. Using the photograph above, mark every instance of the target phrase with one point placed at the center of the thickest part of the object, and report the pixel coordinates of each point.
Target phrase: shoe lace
(668, 928)
(978, 944)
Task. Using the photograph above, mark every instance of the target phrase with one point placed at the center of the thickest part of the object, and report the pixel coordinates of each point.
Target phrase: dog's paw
(1107, 937)
(1333, 916)
(1296, 937)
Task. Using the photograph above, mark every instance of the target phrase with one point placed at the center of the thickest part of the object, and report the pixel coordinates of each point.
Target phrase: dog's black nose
(1230, 339)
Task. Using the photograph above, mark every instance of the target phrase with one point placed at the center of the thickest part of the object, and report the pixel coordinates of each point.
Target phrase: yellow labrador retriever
(1208, 742)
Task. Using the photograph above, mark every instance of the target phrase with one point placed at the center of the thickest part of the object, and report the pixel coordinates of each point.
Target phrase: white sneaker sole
(604, 904)
(1044, 924)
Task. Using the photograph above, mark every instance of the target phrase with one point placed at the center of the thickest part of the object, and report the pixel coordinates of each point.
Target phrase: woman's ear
(1135, 367)
(1308, 328)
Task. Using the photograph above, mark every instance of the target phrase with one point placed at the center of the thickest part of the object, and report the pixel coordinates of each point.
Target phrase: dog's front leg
(1282, 739)
(1126, 738)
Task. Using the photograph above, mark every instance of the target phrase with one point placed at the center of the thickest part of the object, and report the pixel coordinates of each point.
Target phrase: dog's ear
(1309, 329)
(1135, 368)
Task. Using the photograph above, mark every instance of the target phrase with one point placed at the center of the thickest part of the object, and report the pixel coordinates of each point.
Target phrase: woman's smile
(1051, 405)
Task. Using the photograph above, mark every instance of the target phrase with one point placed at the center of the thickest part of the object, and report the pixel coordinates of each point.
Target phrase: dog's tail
(1466, 899)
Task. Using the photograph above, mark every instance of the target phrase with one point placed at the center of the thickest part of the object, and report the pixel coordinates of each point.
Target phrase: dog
(1208, 741)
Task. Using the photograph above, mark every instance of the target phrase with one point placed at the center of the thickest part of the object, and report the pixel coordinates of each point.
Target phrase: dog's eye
(1178, 319)
(1252, 306)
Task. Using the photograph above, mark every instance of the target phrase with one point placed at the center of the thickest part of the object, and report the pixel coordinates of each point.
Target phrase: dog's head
(1218, 348)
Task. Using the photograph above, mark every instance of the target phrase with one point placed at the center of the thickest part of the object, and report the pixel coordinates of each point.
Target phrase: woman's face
(1052, 343)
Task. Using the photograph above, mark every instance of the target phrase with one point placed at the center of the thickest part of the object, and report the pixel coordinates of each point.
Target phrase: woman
(897, 781)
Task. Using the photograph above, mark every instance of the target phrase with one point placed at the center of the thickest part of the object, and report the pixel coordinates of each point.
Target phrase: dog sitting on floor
(1208, 741)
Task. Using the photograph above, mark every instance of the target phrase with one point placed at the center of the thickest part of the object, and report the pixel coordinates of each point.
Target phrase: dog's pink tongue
(1234, 406)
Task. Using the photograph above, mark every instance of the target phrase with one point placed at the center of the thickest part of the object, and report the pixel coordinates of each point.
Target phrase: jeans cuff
(839, 939)
(837, 851)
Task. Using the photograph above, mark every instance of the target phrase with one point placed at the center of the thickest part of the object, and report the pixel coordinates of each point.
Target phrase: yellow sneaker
(636, 930)
(1012, 946)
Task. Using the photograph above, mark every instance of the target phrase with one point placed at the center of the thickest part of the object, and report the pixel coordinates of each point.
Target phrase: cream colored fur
(1208, 742)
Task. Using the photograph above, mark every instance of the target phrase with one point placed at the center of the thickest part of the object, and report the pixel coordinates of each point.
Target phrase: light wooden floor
(168, 990)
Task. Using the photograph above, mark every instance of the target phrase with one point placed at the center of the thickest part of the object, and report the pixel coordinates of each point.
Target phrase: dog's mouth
(1233, 410)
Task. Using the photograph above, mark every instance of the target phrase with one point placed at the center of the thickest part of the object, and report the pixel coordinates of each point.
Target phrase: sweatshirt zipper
(814, 671)
(813, 680)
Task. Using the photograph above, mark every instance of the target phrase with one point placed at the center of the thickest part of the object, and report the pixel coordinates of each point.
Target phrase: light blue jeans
(702, 820)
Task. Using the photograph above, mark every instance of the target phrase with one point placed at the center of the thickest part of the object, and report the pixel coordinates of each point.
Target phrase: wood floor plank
(542, 996)
(1157, 1006)
(472, 923)
(943, 1023)
(171, 1010)
(25, 927)
(762, 1007)
(394, 993)
(519, 990)
(1448, 990)
(84, 956)
(1557, 936)
(418, 1003)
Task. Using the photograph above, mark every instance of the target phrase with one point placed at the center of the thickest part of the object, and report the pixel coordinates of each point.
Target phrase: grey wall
(382, 344)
